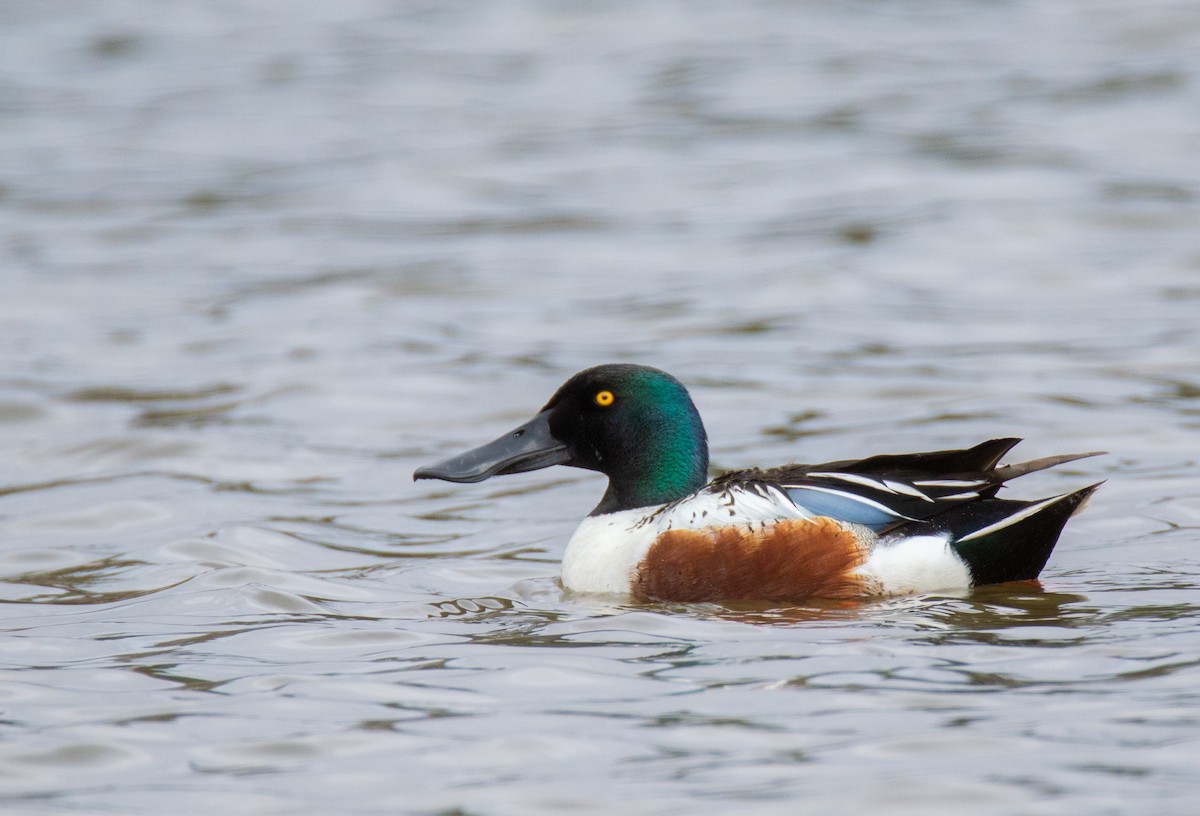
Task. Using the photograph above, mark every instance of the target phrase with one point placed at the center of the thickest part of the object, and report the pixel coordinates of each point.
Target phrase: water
(260, 260)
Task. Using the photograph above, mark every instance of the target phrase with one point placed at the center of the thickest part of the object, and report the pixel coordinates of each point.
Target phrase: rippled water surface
(259, 260)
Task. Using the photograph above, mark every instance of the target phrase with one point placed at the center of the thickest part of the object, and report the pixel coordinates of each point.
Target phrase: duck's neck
(659, 468)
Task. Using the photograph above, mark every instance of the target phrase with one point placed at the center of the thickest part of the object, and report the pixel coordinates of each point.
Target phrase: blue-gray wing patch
(878, 502)
(839, 504)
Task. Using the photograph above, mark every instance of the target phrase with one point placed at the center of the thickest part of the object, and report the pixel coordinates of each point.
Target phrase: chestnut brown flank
(789, 560)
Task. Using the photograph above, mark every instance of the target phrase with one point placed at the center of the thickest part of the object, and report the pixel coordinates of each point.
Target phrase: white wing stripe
(853, 478)
(951, 483)
(907, 490)
(1013, 519)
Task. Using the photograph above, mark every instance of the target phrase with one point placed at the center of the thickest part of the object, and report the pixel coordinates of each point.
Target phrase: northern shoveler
(894, 524)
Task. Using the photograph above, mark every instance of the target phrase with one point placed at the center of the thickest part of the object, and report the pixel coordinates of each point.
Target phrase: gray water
(259, 260)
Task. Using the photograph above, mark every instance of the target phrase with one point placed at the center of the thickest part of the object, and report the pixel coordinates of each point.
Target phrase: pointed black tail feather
(1004, 540)
(980, 458)
(1006, 472)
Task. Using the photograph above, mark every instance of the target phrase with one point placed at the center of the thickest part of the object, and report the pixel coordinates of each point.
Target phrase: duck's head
(637, 425)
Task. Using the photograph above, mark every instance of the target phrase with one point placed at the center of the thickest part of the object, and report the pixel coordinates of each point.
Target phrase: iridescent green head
(637, 425)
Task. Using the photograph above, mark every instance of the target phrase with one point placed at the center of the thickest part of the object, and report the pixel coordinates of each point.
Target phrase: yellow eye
(604, 398)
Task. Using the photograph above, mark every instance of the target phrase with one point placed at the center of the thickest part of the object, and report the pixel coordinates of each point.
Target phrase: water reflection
(1003, 607)
(84, 584)
(254, 273)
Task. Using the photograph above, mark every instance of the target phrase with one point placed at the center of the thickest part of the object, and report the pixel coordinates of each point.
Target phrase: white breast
(605, 550)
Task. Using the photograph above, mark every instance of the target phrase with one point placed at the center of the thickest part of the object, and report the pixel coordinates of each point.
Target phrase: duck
(884, 526)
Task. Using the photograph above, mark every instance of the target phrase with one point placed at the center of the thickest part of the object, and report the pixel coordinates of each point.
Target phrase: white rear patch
(915, 565)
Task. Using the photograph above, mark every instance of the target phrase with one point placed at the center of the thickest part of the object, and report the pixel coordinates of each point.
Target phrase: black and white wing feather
(886, 491)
